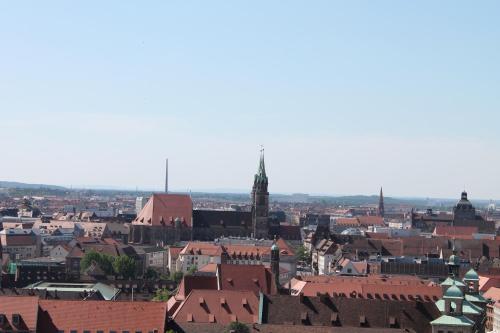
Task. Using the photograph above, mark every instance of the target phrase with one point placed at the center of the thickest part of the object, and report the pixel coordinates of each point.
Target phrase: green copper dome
(471, 275)
(453, 292)
(450, 282)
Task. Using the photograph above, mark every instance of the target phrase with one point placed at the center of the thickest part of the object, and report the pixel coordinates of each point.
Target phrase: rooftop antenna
(166, 176)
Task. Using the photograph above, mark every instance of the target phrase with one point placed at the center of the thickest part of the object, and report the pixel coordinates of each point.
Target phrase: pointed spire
(261, 176)
(381, 209)
(262, 166)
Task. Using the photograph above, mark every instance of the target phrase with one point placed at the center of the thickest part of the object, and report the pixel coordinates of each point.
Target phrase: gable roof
(57, 315)
(162, 209)
(256, 278)
(191, 282)
(219, 306)
(348, 312)
(202, 248)
(26, 307)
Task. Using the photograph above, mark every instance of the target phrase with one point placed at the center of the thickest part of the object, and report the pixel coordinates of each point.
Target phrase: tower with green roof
(454, 262)
(472, 294)
(275, 263)
(453, 318)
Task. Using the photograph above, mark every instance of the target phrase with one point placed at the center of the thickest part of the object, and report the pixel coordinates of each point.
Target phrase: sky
(345, 96)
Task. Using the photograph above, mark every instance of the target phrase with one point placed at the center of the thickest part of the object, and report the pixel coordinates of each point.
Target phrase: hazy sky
(346, 96)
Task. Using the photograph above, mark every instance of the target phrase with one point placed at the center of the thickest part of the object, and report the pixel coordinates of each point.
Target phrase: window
(73, 331)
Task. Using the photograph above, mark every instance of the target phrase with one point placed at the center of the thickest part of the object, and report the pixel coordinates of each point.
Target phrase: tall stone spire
(260, 201)
(381, 209)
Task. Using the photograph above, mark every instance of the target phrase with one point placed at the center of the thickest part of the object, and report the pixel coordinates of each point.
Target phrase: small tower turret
(275, 262)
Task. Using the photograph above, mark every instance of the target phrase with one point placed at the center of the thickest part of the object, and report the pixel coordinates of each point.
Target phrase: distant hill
(6, 184)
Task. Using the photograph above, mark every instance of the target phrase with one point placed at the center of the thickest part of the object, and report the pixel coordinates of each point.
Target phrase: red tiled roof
(347, 221)
(219, 306)
(400, 287)
(370, 220)
(487, 282)
(493, 294)
(239, 250)
(455, 231)
(202, 248)
(246, 277)
(26, 307)
(163, 209)
(208, 268)
(190, 282)
(20, 240)
(174, 251)
(98, 315)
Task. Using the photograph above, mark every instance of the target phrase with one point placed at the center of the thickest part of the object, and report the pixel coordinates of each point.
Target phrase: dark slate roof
(227, 218)
(266, 328)
(348, 312)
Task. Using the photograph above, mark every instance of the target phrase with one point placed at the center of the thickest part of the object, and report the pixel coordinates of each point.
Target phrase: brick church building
(170, 218)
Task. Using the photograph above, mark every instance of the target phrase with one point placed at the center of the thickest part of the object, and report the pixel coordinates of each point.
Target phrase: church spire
(381, 209)
(261, 172)
(260, 201)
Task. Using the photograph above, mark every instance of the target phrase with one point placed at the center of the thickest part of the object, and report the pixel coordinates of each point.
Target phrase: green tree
(125, 266)
(162, 295)
(191, 270)
(237, 327)
(104, 261)
(151, 274)
(176, 276)
(303, 254)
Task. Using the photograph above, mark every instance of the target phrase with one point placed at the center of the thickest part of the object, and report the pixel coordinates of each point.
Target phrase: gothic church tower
(381, 209)
(260, 202)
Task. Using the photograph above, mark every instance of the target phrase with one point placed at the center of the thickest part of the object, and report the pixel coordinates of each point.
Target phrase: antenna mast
(166, 176)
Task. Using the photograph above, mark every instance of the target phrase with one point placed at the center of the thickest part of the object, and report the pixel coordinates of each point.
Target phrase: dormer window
(16, 319)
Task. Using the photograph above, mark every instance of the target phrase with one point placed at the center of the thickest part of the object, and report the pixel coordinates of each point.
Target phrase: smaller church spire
(381, 209)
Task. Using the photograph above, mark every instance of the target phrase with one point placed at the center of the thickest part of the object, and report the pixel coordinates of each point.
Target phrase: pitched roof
(367, 220)
(26, 307)
(202, 248)
(208, 268)
(163, 209)
(269, 328)
(246, 277)
(348, 312)
(190, 282)
(455, 231)
(203, 218)
(242, 250)
(174, 251)
(120, 316)
(370, 287)
(219, 306)
(19, 240)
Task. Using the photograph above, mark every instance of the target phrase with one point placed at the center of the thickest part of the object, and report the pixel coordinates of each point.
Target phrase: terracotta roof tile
(246, 277)
(163, 209)
(102, 315)
(211, 310)
(26, 307)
